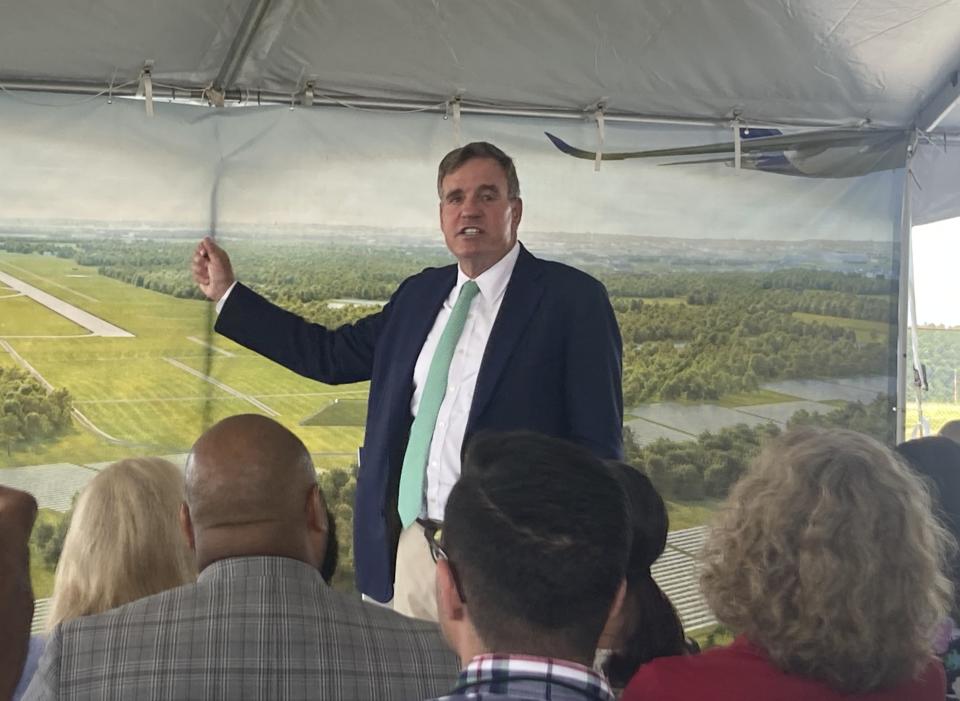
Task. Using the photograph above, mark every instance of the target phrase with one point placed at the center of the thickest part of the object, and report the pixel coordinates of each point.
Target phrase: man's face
(478, 220)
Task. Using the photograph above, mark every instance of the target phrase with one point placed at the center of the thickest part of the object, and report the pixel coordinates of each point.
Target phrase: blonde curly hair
(124, 540)
(827, 555)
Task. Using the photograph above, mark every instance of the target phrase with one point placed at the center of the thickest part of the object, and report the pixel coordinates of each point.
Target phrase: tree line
(688, 336)
(710, 465)
(940, 353)
(29, 413)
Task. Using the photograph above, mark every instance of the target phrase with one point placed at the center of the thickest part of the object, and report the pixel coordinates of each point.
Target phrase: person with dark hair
(499, 341)
(937, 460)
(531, 562)
(259, 622)
(648, 625)
(18, 510)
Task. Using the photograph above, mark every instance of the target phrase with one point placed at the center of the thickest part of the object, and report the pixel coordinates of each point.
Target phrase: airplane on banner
(834, 153)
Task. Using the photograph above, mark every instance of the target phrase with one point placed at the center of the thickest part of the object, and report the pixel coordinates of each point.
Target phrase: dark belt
(430, 528)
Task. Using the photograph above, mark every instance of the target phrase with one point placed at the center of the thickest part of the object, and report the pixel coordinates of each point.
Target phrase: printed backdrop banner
(749, 298)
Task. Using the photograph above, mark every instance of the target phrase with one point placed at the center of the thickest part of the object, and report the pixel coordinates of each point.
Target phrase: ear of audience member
(123, 542)
(331, 557)
(537, 536)
(828, 563)
(18, 510)
(951, 430)
(648, 625)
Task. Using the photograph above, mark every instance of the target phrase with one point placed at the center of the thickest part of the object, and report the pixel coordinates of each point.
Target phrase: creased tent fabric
(820, 60)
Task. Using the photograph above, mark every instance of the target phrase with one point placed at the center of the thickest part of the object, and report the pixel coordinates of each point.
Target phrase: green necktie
(421, 433)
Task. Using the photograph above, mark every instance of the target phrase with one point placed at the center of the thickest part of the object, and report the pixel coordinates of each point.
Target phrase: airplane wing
(725, 161)
(811, 140)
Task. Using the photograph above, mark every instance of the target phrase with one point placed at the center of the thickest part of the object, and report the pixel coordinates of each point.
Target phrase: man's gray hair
(479, 149)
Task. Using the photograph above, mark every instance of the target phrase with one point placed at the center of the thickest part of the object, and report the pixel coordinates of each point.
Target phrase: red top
(742, 672)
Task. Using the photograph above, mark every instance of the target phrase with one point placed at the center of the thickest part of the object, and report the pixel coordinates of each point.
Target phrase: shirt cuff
(223, 300)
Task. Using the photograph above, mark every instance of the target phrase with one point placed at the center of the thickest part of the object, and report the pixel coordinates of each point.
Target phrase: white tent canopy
(820, 62)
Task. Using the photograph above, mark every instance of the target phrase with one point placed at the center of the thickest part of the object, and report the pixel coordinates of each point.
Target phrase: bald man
(260, 622)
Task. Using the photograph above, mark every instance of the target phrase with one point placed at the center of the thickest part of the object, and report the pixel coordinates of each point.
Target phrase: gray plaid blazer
(250, 628)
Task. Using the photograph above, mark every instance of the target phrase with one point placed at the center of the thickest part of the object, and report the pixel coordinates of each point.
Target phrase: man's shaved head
(249, 481)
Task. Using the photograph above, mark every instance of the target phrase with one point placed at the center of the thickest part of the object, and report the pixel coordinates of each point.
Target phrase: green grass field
(340, 412)
(664, 300)
(866, 331)
(129, 388)
(688, 514)
(21, 316)
(935, 413)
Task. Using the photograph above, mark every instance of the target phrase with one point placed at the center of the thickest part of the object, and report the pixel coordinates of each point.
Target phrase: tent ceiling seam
(240, 46)
(239, 98)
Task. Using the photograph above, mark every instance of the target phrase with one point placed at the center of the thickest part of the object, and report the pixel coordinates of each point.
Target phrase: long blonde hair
(124, 540)
(827, 555)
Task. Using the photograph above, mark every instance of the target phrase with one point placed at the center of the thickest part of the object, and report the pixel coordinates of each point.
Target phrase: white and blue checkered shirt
(520, 677)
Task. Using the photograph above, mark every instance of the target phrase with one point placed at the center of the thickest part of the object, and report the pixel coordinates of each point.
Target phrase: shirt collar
(493, 281)
(258, 566)
(524, 671)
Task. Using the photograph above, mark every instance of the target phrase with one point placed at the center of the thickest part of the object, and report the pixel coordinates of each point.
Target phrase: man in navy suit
(533, 345)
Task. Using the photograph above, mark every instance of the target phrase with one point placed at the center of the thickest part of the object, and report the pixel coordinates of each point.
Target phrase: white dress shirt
(443, 461)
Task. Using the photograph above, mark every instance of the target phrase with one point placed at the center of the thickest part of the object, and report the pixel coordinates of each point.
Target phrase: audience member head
(937, 459)
(17, 513)
(827, 555)
(123, 542)
(648, 626)
(951, 430)
(252, 490)
(536, 539)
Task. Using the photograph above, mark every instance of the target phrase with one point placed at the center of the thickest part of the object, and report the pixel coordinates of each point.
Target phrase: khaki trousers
(414, 587)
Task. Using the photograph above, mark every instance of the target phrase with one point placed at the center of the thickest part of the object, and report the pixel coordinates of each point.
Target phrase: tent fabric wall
(821, 63)
(935, 194)
(279, 178)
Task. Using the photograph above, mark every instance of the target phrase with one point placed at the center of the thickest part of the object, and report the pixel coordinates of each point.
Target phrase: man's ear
(517, 213)
(610, 635)
(449, 605)
(616, 609)
(318, 520)
(186, 526)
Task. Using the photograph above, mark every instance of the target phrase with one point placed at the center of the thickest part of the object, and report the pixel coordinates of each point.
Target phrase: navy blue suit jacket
(552, 365)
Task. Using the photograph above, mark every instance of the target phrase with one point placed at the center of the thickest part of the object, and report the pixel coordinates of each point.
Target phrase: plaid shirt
(249, 628)
(519, 677)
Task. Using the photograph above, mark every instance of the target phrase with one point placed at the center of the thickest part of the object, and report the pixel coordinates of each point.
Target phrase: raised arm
(212, 270)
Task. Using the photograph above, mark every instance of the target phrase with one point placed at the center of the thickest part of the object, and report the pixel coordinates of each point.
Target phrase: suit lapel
(519, 302)
(424, 307)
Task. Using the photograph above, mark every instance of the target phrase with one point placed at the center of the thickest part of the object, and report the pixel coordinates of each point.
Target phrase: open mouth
(469, 231)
